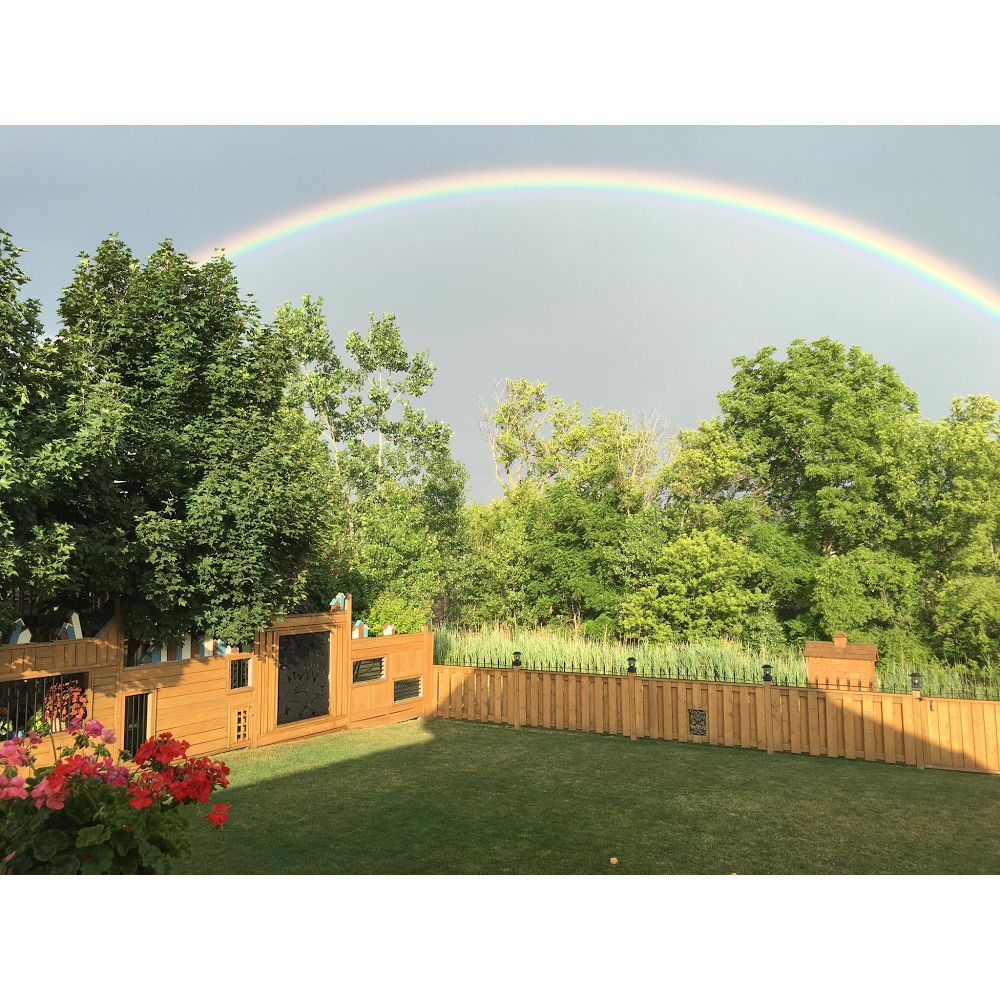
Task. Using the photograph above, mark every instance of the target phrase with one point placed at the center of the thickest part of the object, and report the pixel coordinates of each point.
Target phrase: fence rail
(898, 728)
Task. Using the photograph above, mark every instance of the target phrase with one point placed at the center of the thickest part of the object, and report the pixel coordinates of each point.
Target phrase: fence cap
(841, 649)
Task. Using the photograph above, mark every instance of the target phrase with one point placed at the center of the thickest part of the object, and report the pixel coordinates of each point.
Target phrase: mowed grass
(447, 797)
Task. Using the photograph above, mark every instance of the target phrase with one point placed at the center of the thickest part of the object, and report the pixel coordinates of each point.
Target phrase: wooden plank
(727, 715)
(598, 703)
(486, 708)
(654, 710)
(868, 722)
(560, 701)
(586, 689)
(572, 689)
(889, 728)
(979, 734)
(908, 737)
(712, 716)
(849, 725)
(990, 735)
(743, 693)
(683, 723)
(470, 694)
(613, 727)
(957, 735)
(533, 698)
(794, 732)
(968, 739)
(812, 718)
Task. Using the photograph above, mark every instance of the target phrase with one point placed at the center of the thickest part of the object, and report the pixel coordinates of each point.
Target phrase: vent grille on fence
(136, 709)
(406, 689)
(369, 670)
(241, 725)
(697, 722)
(239, 674)
(28, 705)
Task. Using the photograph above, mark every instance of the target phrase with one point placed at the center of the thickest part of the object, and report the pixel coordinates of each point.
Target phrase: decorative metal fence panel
(31, 704)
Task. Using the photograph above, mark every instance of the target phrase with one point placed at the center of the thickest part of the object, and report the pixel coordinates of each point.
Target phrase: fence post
(768, 728)
(516, 677)
(918, 719)
(635, 696)
(430, 675)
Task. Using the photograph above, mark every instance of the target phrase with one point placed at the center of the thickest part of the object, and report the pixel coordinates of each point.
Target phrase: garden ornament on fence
(20, 633)
(70, 629)
(360, 630)
(339, 603)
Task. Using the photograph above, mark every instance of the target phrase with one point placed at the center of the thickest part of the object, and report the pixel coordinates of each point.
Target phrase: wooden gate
(302, 718)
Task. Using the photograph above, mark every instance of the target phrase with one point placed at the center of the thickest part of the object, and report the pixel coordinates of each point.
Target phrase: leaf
(99, 861)
(48, 844)
(91, 836)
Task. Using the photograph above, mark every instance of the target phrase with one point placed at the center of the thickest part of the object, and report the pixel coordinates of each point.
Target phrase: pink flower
(33, 738)
(13, 754)
(93, 728)
(53, 798)
(12, 788)
(108, 735)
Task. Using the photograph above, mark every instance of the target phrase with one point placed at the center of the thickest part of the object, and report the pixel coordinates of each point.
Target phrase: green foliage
(703, 588)
(968, 621)
(218, 492)
(397, 515)
(826, 433)
(405, 615)
(58, 433)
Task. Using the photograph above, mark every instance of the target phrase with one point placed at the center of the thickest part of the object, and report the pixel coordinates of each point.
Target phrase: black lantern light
(767, 673)
(631, 664)
(914, 682)
(517, 658)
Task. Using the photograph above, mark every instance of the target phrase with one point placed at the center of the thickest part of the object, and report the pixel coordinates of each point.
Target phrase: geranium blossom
(12, 788)
(219, 814)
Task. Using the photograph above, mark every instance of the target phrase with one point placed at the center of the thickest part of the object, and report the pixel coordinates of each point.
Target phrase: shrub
(403, 614)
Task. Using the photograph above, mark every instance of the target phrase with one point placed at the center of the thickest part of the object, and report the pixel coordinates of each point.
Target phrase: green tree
(219, 496)
(400, 490)
(704, 587)
(828, 434)
(57, 435)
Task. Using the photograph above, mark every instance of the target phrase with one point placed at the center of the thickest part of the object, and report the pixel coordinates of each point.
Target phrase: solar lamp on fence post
(517, 658)
(915, 679)
(767, 673)
(631, 664)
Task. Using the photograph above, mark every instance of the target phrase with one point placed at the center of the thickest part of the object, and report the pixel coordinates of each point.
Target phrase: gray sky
(617, 302)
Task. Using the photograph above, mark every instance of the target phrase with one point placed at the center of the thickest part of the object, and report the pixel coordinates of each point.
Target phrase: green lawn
(459, 797)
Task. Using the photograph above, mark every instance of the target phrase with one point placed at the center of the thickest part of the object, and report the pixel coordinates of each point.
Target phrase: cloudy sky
(615, 301)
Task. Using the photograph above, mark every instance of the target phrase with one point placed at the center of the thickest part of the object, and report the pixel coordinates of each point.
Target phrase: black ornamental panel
(303, 676)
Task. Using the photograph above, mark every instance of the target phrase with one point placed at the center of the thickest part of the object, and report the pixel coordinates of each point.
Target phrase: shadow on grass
(449, 797)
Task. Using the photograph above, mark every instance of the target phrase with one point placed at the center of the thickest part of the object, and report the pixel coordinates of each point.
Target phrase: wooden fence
(392, 678)
(944, 733)
(219, 702)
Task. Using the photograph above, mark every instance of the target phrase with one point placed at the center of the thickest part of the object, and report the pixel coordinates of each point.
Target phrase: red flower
(219, 814)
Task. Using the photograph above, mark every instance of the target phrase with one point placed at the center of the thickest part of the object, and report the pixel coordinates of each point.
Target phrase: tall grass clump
(724, 659)
(543, 649)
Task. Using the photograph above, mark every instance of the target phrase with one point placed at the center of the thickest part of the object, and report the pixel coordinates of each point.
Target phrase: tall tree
(828, 431)
(220, 494)
(401, 491)
(57, 436)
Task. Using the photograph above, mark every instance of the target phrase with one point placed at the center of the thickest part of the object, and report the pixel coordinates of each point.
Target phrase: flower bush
(88, 815)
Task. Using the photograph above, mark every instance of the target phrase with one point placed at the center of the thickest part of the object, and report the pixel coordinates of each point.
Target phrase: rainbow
(820, 222)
